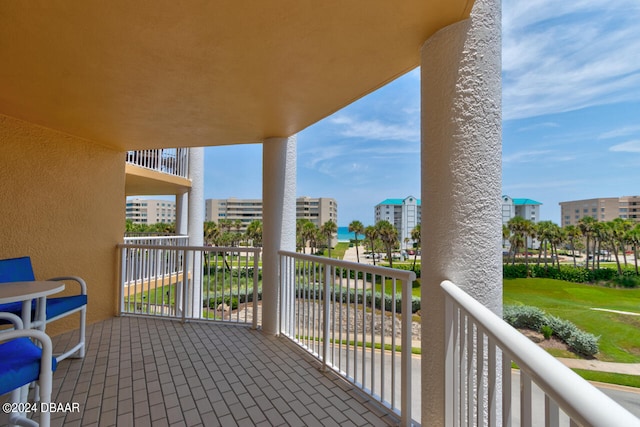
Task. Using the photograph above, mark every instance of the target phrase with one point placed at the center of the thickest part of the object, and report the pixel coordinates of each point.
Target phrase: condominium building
(404, 214)
(317, 210)
(145, 211)
(602, 209)
(524, 208)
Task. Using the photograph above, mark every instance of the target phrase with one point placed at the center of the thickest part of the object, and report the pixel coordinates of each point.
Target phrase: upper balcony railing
(172, 161)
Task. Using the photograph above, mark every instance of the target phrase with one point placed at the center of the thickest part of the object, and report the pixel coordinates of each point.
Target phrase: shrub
(579, 342)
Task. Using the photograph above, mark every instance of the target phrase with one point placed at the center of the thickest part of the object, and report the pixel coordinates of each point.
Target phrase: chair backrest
(16, 270)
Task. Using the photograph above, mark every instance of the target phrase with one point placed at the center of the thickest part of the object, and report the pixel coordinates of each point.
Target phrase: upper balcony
(157, 171)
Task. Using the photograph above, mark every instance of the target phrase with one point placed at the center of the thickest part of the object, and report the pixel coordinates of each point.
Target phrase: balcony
(170, 161)
(157, 171)
(339, 315)
(168, 361)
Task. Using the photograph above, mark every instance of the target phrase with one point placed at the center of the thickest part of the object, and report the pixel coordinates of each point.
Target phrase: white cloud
(559, 57)
(376, 130)
(627, 147)
(526, 156)
(620, 132)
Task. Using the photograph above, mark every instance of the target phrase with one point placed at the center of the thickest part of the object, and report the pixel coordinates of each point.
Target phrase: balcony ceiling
(148, 74)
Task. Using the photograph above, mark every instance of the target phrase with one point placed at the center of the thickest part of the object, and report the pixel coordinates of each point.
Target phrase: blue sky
(571, 120)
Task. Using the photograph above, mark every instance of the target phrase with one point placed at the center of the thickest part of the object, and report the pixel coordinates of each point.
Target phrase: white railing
(330, 307)
(190, 282)
(481, 348)
(172, 161)
(155, 239)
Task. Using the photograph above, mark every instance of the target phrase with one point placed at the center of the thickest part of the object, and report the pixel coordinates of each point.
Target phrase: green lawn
(619, 333)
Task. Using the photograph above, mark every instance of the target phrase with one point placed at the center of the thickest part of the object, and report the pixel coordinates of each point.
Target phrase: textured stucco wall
(461, 179)
(279, 219)
(62, 203)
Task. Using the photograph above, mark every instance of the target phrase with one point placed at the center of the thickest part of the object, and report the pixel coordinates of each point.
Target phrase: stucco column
(461, 181)
(195, 226)
(182, 207)
(279, 219)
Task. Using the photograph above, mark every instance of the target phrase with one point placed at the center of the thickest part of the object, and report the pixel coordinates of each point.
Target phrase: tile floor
(153, 372)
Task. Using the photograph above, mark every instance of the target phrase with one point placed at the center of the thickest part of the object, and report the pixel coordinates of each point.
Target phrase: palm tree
(521, 229)
(416, 236)
(557, 237)
(356, 228)
(633, 236)
(310, 234)
(211, 233)
(544, 231)
(505, 233)
(254, 232)
(601, 234)
(328, 229)
(371, 234)
(300, 239)
(237, 226)
(587, 226)
(572, 232)
(389, 235)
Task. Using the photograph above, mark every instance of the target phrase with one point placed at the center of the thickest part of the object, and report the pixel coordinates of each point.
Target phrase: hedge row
(572, 274)
(522, 316)
(352, 296)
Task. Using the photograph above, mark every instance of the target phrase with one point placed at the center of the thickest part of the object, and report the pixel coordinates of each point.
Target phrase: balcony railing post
(405, 360)
(256, 257)
(325, 316)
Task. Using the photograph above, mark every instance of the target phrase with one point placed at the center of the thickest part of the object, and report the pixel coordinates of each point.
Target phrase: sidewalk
(597, 365)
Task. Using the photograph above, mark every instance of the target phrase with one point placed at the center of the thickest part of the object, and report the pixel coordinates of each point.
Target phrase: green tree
(310, 234)
(521, 230)
(572, 232)
(544, 231)
(328, 230)
(356, 228)
(371, 234)
(633, 236)
(389, 235)
(416, 236)
(211, 233)
(254, 232)
(587, 226)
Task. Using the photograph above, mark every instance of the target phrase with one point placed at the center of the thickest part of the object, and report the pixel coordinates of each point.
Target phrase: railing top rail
(367, 268)
(148, 237)
(191, 248)
(589, 407)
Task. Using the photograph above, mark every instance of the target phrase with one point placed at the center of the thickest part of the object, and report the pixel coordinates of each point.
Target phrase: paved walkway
(597, 365)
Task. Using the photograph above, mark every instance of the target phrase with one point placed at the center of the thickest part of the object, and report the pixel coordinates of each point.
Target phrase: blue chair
(23, 362)
(21, 270)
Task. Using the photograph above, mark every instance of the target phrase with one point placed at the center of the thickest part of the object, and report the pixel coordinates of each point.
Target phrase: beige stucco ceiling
(146, 74)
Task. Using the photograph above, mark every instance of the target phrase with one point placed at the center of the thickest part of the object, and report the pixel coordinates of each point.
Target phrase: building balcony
(157, 171)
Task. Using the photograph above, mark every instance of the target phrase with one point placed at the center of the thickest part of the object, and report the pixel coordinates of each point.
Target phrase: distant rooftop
(521, 202)
(396, 201)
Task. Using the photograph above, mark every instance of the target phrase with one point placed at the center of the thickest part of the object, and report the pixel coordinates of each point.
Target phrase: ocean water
(345, 236)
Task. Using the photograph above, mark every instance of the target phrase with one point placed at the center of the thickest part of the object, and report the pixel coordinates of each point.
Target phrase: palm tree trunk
(573, 251)
(614, 248)
(357, 252)
(586, 259)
